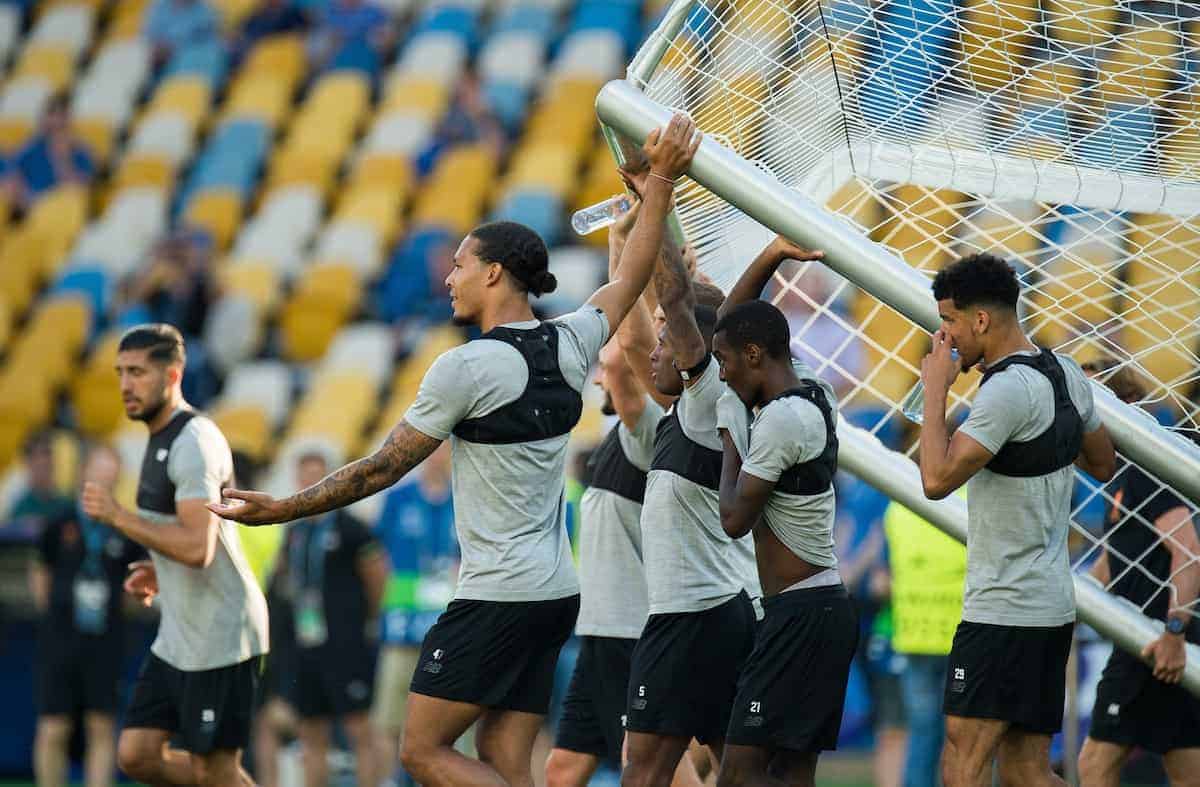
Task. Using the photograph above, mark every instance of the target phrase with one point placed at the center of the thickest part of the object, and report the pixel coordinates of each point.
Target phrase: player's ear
(494, 274)
(174, 374)
(753, 354)
(983, 321)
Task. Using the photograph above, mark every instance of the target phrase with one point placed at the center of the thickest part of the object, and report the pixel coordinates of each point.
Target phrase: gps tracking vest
(612, 471)
(1053, 449)
(675, 452)
(156, 490)
(816, 475)
(548, 407)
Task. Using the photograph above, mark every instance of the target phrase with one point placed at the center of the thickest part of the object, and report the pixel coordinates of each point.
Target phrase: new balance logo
(437, 654)
(640, 702)
(161, 455)
(435, 666)
(959, 684)
(1114, 709)
(208, 716)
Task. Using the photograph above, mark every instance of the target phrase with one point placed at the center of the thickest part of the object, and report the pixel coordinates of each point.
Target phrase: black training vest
(676, 452)
(612, 471)
(816, 475)
(1053, 449)
(156, 490)
(548, 407)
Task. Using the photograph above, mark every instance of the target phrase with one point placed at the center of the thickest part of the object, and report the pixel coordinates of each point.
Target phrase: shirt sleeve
(697, 407)
(638, 442)
(733, 417)
(581, 335)
(784, 436)
(1086, 402)
(200, 462)
(446, 395)
(1000, 409)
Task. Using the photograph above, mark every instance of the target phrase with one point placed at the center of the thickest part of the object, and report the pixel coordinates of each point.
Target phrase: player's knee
(732, 774)
(136, 759)
(415, 756)
(564, 770)
(54, 731)
(1181, 774)
(1092, 767)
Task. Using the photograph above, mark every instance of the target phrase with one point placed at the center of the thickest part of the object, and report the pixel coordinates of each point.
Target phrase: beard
(151, 411)
(607, 408)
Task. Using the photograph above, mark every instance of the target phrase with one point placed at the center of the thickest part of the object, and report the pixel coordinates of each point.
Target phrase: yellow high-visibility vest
(928, 570)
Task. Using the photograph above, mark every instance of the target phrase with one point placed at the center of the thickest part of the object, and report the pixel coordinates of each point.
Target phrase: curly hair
(757, 322)
(520, 251)
(978, 280)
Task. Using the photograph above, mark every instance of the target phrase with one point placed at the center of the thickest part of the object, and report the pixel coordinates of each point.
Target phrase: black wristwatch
(690, 374)
(1176, 626)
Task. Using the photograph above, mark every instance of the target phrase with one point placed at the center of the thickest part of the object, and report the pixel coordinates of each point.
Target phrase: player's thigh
(797, 768)
(505, 739)
(566, 768)
(139, 748)
(973, 741)
(1023, 757)
(1183, 767)
(742, 765)
(1100, 762)
(314, 733)
(433, 722)
(655, 754)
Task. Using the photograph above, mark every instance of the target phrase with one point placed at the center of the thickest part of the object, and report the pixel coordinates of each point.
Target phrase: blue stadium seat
(208, 59)
(509, 102)
(526, 18)
(451, 19)
(539, 210)
(1126, 138)
(915, 44)
(621, 17)
(92, 281)
(232, 159)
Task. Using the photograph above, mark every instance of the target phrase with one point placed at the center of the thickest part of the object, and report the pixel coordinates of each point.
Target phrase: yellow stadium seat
(258, 281)
(144, 169)
(425, 97)
(292, 166)
(547, 165)
(281, 57)
(234, 12)
(218, 211)
(919, 229)
(1146, 64)
(379, 207)
(248, 429)
(387, 170)
(52, 63)
(456, 213)
(21, 268)
(262, 97)
(331, 283)
(343, 94)
(26, 397)
(95, 394)
(190, 96)
(14, 133)
(306, 327)
(97, 135)
(1081, 22)
(58, 216)
(324, 135)
(995, 39)
(338, 407)
(895, 347)
(7, 317)
(13, 435)
(126, 20)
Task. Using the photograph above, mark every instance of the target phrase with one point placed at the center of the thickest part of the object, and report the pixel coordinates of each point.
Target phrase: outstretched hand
(670, 150)
(256, 508)
(142, 582)
(785, 249)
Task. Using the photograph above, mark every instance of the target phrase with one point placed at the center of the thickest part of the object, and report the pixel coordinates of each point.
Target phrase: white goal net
(1060, 134)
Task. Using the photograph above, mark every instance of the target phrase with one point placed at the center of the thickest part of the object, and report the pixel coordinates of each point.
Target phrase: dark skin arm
(1096, 456)
(946, 463)
(373, 570)
(756, 277)
(405, 448)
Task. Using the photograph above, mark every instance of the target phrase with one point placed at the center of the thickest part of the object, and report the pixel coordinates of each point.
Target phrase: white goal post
(799, 210)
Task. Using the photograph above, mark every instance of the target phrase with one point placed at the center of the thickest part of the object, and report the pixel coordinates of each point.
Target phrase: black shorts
(333, 680)
(1016, 674)
(685, 670)
(594, 710)
(1134, 709)
(793, 688)
(497, 654)
(78, 673)
(207, 711)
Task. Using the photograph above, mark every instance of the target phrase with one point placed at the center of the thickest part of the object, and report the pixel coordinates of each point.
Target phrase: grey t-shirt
(1018, 571)
(216, 616)
(509, 509)
(785, 433)
(692, 565)
(612, 579)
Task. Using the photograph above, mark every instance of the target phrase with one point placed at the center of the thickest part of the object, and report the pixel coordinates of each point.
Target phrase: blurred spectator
(41, 503)
(415, 284)
(337, 572)
(820, 336)
(352, 34)
(928, 569)
(417, 527)
(178, 285)
(276, 720)
(76, 583)
(273, 17)
(172, 24)
(52, 158)
(470, 119)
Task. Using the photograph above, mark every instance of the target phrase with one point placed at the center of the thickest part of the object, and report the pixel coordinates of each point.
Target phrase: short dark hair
(757, 322)
(164, 342)
(708, 294)
(520, 251)
(706, 321)
(978, 280)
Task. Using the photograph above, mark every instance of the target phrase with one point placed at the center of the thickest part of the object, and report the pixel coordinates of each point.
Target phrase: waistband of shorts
(805, 596)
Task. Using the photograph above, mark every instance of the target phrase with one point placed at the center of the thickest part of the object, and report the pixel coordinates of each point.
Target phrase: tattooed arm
(404, 449)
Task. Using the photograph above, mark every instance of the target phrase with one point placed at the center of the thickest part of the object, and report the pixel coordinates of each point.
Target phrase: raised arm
(405, 448)
(754, 279)
(1167, 654)
(670, 153)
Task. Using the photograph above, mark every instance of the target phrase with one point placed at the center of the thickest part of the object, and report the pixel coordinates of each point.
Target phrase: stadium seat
(97, 135)
(58, 216)
(995, 39)
(262, 98)
(298, 167)
(535, 18)
(234, 12)
(54, 64)
(68, 25)
(282, 57)
(307, 325)
(218, 211)
(1081, 23)
(93, 283)
(205, 59)
(436, 56)
(352, 243)
(257, 281)
(247, 428)
(539, 209)
(383, 170)
(428, 98)
(263, 385)
(378, 207)
(168, 134)
(457, 18)
(590, 54)
(233, 332)
(366, 348)
(10, 31)
(152, 171)
(187, 94)
(95, 394)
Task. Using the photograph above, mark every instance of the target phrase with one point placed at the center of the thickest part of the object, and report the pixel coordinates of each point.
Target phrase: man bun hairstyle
(520, 251)
(164, 342)
(978, 280)
(759, 323)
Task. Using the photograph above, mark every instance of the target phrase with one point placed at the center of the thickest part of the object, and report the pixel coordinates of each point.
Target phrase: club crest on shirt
(161, 455)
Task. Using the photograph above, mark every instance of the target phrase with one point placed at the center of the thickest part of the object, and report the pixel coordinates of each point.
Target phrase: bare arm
(742, 496)
(373, 569)
(754, 279)
(669, 152)
(405, 448)
(191, 539)
(678, 302)
(39, 585)
(1168, 653)
(1100, 570)
(1096, 456)
(946, 464)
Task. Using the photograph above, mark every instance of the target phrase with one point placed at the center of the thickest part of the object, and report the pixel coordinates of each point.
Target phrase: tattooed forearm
(404, 449)
(671, 281)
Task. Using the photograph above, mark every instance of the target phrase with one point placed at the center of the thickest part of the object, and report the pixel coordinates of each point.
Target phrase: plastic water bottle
(913, 405)
(600, 215)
